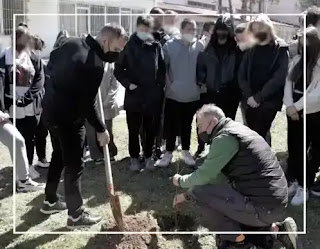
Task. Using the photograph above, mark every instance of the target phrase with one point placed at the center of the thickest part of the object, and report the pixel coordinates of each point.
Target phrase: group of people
(170, 75)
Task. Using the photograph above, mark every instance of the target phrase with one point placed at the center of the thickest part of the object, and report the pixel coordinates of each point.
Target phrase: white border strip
(160, 233)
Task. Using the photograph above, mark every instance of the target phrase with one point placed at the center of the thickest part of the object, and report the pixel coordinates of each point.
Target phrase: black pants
(313, 147)
(295, 149)
(41, 140)
(225, 209)
(68, 143)
(178, 118)
(144, 124)
(27, 127)
(260, 119)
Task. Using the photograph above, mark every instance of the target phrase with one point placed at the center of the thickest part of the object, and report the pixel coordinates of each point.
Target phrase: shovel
(113, 197)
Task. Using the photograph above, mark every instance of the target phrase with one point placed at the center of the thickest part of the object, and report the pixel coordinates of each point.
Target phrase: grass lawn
(143, 196)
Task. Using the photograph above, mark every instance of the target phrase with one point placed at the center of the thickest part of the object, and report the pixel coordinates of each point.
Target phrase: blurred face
(113, 44)
(189, 32)
(144, 29)
(240, 37)
(261, 32)
(158, 21)
(169, 20)
(222, 36)
(22, 42)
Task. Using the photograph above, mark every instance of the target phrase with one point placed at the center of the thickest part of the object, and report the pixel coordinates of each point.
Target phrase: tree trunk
(261, 4)
(220, 6)
(230, 7)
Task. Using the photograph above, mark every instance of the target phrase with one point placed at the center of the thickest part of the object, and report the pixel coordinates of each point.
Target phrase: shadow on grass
(6, 187)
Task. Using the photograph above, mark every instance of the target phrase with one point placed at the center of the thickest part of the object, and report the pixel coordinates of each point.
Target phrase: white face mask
(169, 29)
(242, 45)
(144, 36)
(188, 37)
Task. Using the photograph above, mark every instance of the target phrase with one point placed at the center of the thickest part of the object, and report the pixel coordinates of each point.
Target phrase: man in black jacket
(141, 70)
(262, 75)
(76, 70)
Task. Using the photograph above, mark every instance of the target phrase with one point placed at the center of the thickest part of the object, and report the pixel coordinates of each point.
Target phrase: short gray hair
(114, 30)
(211, 110)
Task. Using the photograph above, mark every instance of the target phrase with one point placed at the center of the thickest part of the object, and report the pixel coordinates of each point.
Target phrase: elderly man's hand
(178, 200)
(175, 180)
(252, 103)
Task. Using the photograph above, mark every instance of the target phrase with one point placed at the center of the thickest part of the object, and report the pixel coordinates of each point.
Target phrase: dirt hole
(168, 222)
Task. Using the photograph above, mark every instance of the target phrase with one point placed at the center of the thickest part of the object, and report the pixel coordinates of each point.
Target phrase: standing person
(76, 69)
(262, 80)
(158, 32)
(293, 99)
(182, 90)
(217, 68)
(169, 24)
(207, 32)
(109, 88)
(141, 70)
(240, 184)
(37, 45)
(29, 90)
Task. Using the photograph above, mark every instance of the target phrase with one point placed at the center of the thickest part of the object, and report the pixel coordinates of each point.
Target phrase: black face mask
(222, 37)
(204, 137)
(111, 56)
(261, 36)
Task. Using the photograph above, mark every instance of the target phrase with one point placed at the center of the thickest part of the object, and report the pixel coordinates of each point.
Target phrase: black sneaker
(52, 208)
(289, 241)
(84, 220)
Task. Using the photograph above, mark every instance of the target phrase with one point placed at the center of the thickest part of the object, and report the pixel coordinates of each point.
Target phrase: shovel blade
(116, 211)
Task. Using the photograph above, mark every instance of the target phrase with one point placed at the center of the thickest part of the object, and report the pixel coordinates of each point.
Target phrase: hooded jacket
(213, 72)
(76, 70)
(142, 64)
(270, 93)
(181, 62)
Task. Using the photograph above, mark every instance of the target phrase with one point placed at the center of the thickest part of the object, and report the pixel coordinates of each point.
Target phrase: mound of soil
(141, 222)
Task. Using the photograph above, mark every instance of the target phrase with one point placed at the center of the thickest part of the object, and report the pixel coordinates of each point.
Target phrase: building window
(82, 19)
(68, 22)
(135, 17)
(126, 19)
(11, 7)
(112, 18)
(96, 22)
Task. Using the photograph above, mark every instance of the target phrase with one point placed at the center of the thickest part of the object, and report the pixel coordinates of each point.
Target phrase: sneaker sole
(51, 211)
(317, 194)
(33, 189)
(290, 241)
(80, 226)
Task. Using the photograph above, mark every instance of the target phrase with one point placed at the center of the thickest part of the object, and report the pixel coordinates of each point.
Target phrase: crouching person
(241, 183)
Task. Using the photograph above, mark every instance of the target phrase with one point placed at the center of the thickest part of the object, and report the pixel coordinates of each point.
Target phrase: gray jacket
(181, 63)
(109, 89)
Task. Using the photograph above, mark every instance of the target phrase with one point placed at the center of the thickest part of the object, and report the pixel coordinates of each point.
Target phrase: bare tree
(220, 6)
(230, 7)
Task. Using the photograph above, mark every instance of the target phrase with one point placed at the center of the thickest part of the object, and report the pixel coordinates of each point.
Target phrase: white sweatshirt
(312, 94)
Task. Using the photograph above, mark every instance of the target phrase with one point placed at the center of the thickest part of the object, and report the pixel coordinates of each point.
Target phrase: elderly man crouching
(241, 184)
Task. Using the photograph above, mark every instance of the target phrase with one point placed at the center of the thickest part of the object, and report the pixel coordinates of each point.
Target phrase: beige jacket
(109, 88)
(312, 94)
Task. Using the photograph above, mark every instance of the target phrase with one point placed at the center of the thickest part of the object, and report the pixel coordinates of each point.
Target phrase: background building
(48, 26)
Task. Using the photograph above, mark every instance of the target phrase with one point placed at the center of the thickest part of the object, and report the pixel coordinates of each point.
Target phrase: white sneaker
(165, 160)
(298, 199)
(293, 189)
(29, 186)
(188, 158)
(43, 163)
(33, 174)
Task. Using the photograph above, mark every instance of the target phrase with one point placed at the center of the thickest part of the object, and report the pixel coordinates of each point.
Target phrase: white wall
(284, 6)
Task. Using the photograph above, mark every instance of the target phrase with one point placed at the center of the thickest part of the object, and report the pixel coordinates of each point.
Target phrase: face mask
(143, 35)
(204, 137)
(111, 56)
(242, 46)
(168, 29)
(261, 36)
(20, 47)
(188, 37)
(222, 37)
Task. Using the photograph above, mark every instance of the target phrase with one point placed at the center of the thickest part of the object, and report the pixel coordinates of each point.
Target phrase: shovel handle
(106, 154)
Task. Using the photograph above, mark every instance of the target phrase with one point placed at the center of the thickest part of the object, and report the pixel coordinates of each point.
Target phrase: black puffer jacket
(214, 72)
(142, 64)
